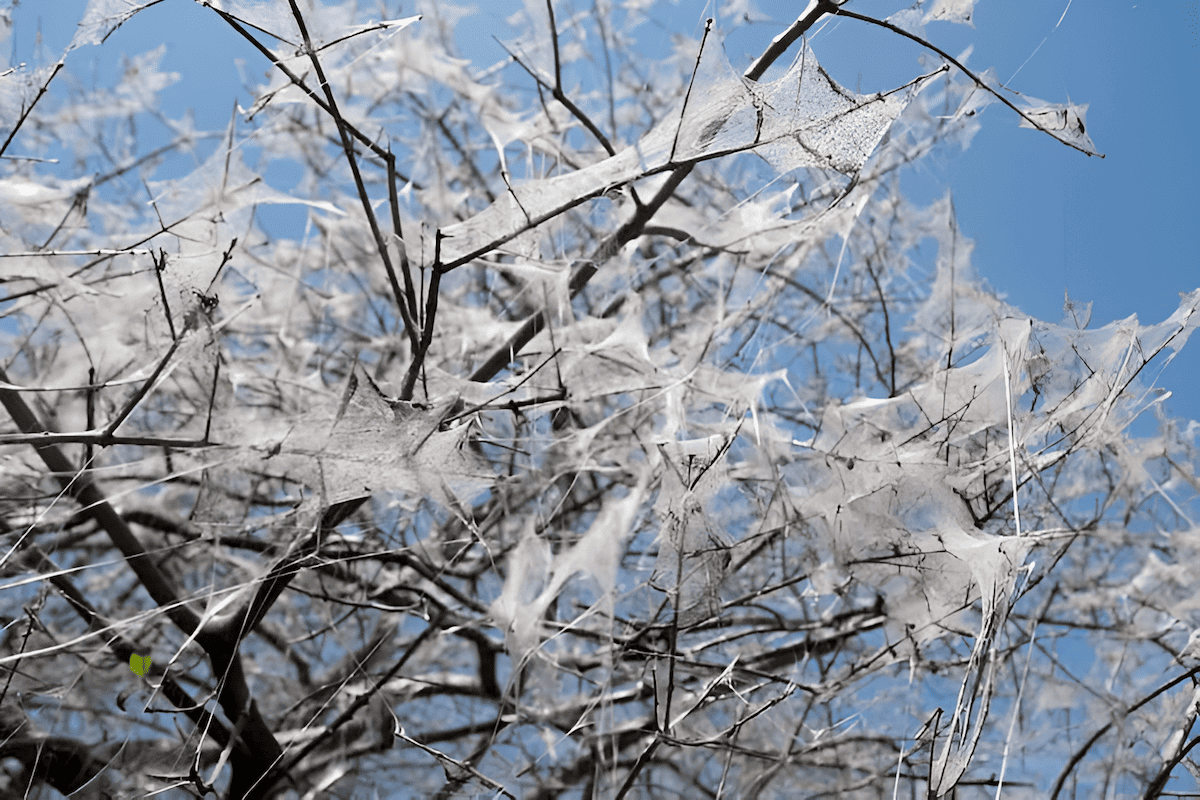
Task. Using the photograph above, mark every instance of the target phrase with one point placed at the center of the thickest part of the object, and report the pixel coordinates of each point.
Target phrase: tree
(603, 434)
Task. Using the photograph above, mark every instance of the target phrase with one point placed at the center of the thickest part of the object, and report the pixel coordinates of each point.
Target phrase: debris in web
(1066, 121)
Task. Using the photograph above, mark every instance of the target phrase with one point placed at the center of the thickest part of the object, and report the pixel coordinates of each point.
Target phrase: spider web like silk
(802, 119)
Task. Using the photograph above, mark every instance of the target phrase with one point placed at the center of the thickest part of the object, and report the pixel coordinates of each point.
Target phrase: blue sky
(1119, 232)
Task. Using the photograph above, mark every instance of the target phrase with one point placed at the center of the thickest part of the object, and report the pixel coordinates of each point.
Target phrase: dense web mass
(802, 119)
(606, 426)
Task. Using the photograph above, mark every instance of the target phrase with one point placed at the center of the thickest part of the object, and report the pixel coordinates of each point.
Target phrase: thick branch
(95, 505)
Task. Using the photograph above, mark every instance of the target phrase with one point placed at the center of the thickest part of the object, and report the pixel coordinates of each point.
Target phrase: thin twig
(688, 94)
(431, 628)
(133, 401)
(160, 264)
(1095, 737)
(554, 43)
(410, 293)
(296, 79)
(348, 147)
(633, 228)
(431, 301)
(506, 353)
(837, 10)
(558, 94)
(25, 114)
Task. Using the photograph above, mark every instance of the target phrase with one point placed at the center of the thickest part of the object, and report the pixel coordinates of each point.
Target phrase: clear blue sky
(1120, 232)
